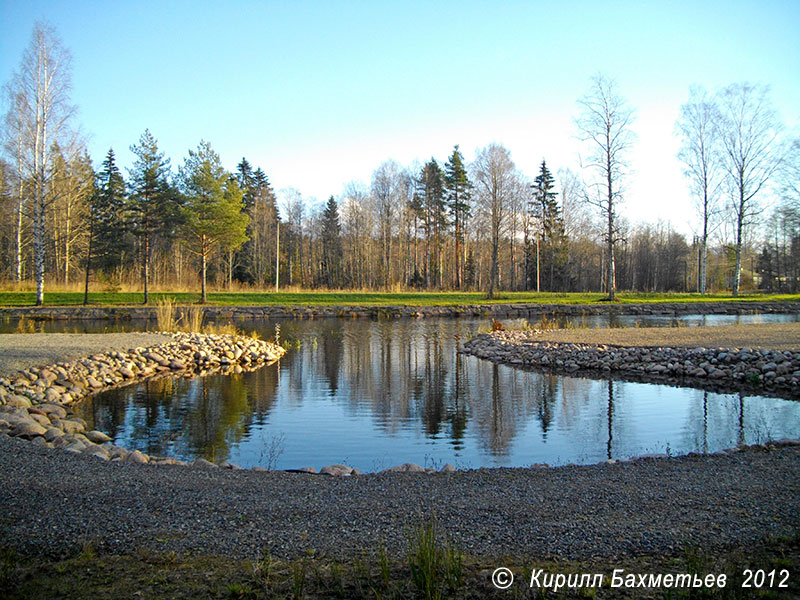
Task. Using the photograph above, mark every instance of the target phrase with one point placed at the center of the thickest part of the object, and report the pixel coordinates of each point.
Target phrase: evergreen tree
(417, 211)
(247, 182)
(457, 194)
(153, 206)
(212, 214)
(551, 236)
(331, 245)
(255, 260)
(431, 183)
(107, 240)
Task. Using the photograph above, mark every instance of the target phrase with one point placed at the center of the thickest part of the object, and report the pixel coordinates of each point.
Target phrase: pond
(24, 325)
(374, 394)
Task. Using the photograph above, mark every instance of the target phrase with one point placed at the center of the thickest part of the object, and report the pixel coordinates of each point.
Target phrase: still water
(374, 394)
(23, 325)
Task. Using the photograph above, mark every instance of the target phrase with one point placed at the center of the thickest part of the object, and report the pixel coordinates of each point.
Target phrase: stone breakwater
(35, 403)
(772, 372)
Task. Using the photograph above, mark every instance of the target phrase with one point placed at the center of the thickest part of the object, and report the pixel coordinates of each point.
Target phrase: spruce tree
(551, 234)
(331, 244)
(107, 240)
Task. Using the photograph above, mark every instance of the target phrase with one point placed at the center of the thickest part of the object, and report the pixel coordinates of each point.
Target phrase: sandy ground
(23, 350)
(774, 336)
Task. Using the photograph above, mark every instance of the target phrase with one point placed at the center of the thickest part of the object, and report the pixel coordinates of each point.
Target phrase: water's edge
(126, 313)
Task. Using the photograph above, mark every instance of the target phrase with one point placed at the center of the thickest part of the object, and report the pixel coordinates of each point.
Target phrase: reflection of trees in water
(220, 416)
(202, 416)
(332, 350)
(407, 376)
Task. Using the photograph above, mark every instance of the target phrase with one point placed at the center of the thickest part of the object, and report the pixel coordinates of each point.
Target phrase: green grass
(311, 298)
(89, 575)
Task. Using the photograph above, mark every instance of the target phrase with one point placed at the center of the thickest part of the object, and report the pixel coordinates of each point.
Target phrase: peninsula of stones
(775, 372)
(35, 404)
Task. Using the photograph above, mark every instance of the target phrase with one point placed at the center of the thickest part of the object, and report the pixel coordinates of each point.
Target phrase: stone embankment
(773, 372)
(506, 310)
(35, 403)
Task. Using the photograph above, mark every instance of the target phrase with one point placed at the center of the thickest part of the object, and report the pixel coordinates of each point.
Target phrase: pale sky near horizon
(320, 93)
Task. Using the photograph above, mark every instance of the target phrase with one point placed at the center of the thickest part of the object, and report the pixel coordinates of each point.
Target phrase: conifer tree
(212, 213)
(551, 236)
(107, 241)
(153, 206)
(457, 195)
(431, 182)
(331, 244)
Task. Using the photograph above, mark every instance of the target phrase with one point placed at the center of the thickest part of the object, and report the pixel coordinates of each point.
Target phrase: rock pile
(771, 371)
(34, 405)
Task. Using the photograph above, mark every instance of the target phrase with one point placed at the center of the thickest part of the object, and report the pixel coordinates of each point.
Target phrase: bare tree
(494, 177)
(41, 88)
(294, 214)
(789, 176)
(14, 140)
(748, 129)
(387, 193)
(700, 154)
(605, 122)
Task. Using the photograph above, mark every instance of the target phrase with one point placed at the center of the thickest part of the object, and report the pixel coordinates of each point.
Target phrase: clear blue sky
(320, 93)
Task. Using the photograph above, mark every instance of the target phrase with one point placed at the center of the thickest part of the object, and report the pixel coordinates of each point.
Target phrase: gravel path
(23, 350)
(54, 500)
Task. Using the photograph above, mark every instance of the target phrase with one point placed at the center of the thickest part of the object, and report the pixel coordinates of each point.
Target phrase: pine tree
(107, 240)
(331, 245)
(457, 193)
(212, 214)
(153, 206)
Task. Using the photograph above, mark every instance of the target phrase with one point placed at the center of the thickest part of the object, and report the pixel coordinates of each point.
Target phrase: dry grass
(166, 315)
(193, 319)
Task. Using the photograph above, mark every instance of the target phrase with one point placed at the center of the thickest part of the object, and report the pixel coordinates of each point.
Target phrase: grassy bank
(335, 298)
(430, 571)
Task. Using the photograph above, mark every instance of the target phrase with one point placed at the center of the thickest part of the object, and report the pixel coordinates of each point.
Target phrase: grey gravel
(23, 350)
(55, 501)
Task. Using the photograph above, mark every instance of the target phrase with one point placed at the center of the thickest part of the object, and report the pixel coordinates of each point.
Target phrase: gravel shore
(772, 336)
(54, 501)
(23, 350)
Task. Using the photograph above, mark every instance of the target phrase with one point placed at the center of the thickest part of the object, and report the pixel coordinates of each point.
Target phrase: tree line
(443, 225)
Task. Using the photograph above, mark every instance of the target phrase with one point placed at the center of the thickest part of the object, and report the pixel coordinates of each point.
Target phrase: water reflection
(376, 394)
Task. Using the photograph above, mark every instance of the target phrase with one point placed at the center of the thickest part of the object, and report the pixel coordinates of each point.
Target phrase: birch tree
(700, 155)
(748, 130)
(41, 91)
(493, 175)
(386, 193)
(14, 144)
(605, 123)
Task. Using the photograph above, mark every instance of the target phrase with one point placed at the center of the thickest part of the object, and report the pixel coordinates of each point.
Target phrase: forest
(71, 221)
